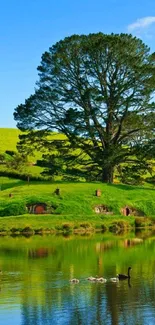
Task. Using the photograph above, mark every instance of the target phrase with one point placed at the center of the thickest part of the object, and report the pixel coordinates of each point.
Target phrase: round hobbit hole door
(39, 209)
(127, 211)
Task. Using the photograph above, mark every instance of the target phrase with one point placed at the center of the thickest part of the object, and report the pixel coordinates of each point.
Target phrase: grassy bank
(38, 224)
(30, 225)
(74, 209)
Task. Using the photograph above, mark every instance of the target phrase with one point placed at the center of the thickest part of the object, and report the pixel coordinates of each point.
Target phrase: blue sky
(29, 27)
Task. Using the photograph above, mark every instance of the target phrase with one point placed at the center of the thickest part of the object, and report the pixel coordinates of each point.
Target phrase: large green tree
(98, 91)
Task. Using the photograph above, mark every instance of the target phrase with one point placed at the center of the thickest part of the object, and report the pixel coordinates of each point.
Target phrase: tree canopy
(98, 91)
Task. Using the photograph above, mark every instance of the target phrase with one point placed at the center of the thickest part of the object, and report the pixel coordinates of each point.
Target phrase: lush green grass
(8, 141)
(48, 223)
(74, 208)
(79, 198)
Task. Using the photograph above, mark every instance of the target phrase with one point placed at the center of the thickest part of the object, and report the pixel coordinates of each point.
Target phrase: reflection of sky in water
(10, 316)
(35, 287)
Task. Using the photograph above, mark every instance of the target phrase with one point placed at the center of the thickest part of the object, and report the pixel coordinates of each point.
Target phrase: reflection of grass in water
(57, 239)
(34, 279)
(102, 255)
(88, 256)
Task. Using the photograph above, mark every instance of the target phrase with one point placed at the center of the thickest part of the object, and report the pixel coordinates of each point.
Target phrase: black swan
(124, 276)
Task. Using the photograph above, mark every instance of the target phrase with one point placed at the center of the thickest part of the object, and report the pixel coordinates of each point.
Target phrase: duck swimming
(114, 279)
(96, 279)
(74, 280)
(103, 280)
(91, 278)
(124, 276)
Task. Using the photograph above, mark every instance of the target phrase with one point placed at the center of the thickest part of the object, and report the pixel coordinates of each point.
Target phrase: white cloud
(141, 24)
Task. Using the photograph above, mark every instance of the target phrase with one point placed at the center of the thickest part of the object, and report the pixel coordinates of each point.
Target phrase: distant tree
(2, 158)
(98, 91)
(17, 162)
(11, 153)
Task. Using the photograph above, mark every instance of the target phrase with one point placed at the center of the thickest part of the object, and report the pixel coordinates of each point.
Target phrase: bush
(67, 227)
(13, 209)
(103, 228)
(150, 180)
(85, 225)
(143, 222)
(15, 230)
(118, 226)
(27, 230)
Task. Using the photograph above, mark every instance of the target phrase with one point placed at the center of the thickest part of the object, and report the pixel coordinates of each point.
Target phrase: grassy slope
(8, 141)
(75, 204)
(77, 200)
(79, 197)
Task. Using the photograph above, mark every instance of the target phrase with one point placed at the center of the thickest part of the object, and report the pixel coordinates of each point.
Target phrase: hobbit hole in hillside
(37, 208)
(98, 193)
(131, 211)
(101, 208)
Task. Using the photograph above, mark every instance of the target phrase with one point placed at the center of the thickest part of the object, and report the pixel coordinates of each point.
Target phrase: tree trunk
(107, 174)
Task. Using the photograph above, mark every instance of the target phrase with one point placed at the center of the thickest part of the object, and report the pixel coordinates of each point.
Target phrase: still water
(35, 287)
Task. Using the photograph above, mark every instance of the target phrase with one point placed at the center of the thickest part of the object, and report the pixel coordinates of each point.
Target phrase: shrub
(103, 228)
(14, 230)
(67, 227)
(13, 209)
(27, 230)
(143, 222)
(118, 226)
(85, 225)
(39, 231)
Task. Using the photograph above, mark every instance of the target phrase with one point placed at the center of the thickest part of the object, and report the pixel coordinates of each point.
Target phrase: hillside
(75, 207)
(8, 139)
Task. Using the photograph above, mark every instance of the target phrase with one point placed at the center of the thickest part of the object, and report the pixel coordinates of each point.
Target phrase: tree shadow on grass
(5, 186)
(126, 187)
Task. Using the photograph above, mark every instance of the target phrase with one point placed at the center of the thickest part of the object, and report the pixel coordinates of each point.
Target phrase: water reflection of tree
(51, 300)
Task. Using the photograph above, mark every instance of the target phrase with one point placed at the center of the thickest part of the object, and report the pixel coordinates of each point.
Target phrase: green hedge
(13, 209)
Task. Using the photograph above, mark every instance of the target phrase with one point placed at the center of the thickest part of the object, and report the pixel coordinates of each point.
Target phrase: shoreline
(49, 224)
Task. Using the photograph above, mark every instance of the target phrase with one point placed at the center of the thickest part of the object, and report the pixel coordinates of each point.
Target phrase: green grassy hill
(79, 197)
(8, 139)
(74, 208)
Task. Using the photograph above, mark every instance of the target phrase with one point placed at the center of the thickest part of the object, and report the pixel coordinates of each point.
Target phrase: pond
(35, 287)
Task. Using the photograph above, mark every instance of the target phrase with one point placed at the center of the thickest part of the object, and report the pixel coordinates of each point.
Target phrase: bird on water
(125, 276)
(74, 280)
